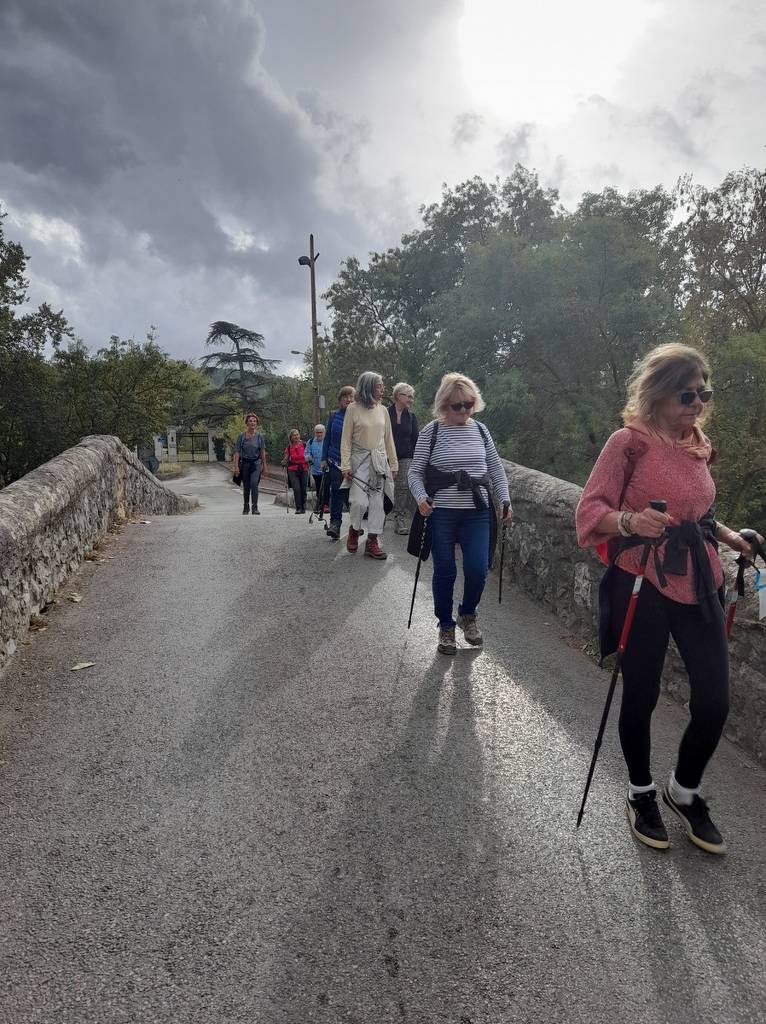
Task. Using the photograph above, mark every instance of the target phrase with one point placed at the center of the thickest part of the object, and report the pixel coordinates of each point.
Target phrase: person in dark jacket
(331, 460)
(404, 425)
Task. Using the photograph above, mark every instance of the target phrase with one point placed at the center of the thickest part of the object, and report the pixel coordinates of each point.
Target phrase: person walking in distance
(250, 462)
(297, 469)
(662, 453)
(454, 465)
(313, 454)
(368, 461)
(404, 426)
(331, 460)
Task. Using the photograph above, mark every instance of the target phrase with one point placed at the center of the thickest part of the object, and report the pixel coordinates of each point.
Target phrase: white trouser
(360, 500)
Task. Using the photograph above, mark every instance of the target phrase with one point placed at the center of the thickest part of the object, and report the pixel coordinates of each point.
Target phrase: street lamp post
(309, 261)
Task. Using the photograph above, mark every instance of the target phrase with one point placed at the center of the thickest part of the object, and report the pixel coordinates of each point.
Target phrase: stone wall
(543, 559)
(54, 515)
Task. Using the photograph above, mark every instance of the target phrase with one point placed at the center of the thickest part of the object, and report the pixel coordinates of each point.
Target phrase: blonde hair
(452, 382)
(402, 389)
(662, 373)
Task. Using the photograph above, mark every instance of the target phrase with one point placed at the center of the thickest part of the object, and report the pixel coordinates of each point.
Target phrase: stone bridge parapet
(543, 559)
(57, 513)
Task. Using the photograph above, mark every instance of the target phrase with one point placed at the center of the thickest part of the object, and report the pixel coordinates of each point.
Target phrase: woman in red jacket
(662, 453)
(297, 468)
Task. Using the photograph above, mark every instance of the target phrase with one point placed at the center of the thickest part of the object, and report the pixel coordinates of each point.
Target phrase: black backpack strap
(433, 442)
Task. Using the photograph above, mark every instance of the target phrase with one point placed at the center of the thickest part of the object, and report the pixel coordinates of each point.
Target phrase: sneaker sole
(703, 845)
(656, 844)
(474, 643)
(378, 558)
(446, 650)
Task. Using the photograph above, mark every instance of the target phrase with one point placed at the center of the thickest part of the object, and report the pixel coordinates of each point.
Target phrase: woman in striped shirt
(454, 464)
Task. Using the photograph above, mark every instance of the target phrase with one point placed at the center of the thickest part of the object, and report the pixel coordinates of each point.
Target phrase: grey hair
(402, 389)
(365, 388)
(319, 426)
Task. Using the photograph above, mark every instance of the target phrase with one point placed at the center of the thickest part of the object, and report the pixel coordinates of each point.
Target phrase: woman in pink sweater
(662, 453)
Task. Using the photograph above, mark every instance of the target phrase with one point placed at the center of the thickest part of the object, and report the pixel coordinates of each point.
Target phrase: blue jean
(250, 471)
(468, 527)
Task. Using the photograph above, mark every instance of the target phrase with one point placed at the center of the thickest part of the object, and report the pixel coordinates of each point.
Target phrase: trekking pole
(426, 525)
(739, 587)
(502, 560)
(658, 506)
(287, 491)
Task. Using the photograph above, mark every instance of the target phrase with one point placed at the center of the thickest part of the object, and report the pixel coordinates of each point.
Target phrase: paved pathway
(267, 802)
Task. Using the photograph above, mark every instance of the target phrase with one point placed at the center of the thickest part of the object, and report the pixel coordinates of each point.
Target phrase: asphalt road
(269, 802)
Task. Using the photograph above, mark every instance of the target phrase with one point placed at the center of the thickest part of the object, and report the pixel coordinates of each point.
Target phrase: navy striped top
(458, 447)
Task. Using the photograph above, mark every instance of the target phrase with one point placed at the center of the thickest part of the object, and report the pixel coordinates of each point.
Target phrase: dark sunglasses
(687, 397)
(457, 406)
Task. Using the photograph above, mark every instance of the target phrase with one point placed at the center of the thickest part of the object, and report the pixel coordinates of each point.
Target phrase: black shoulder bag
(415, 545)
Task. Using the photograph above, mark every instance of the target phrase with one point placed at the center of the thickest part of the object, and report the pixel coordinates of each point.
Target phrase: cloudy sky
(163, 161)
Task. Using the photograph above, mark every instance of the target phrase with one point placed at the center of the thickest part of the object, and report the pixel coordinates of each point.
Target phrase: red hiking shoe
(372, 549)
(352, 541)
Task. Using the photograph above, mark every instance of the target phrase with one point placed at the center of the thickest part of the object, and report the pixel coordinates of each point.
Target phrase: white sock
(680, 794)
(634, 791)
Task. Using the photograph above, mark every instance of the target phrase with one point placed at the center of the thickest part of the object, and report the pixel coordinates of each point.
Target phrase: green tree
(241, 369)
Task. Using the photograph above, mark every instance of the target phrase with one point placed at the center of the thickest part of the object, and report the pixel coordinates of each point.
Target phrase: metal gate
(192, 447)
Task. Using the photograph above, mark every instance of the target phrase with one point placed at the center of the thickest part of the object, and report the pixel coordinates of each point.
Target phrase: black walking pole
(426, 525)
(658, 506)
(502, 560)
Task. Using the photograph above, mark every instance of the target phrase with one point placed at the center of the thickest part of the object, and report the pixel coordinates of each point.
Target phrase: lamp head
(304, 261)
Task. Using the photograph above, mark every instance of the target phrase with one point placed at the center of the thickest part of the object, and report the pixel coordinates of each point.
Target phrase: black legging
(297, 478)
(250, 471)
(704, 650)
(318, 477)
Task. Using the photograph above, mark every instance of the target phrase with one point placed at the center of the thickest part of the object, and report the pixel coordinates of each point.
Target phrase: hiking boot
(246, 510)
(333, 530)
(471, 630)
(447, 643)
(256, 512)
(402, 528)
(352, 541)
(696, 820)
(645, 820)
(372, 549)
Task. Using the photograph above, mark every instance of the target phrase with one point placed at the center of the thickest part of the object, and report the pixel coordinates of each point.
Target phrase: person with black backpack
(662, 453)
(454, 467)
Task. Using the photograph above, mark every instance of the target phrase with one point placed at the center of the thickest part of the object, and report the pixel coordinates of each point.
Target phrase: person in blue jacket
(313, 453)
(331, 459)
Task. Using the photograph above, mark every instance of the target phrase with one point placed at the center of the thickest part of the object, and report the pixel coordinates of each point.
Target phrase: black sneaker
(256, 512)
(246, 511)
(333, 530)
(645, 820)
(696, 820)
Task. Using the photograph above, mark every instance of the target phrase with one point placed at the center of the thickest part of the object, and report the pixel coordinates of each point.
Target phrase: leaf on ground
(76, 598)
(81, 665)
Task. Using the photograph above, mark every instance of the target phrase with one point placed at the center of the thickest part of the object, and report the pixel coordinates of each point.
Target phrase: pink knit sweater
(661, 471)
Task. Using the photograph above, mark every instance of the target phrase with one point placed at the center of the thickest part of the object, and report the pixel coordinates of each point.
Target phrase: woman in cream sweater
(367, 460)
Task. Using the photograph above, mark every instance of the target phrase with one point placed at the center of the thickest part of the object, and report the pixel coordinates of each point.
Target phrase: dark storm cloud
(183, 149)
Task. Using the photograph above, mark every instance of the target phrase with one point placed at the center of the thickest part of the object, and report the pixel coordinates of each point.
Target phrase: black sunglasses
(687, 397)
(457, 406)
